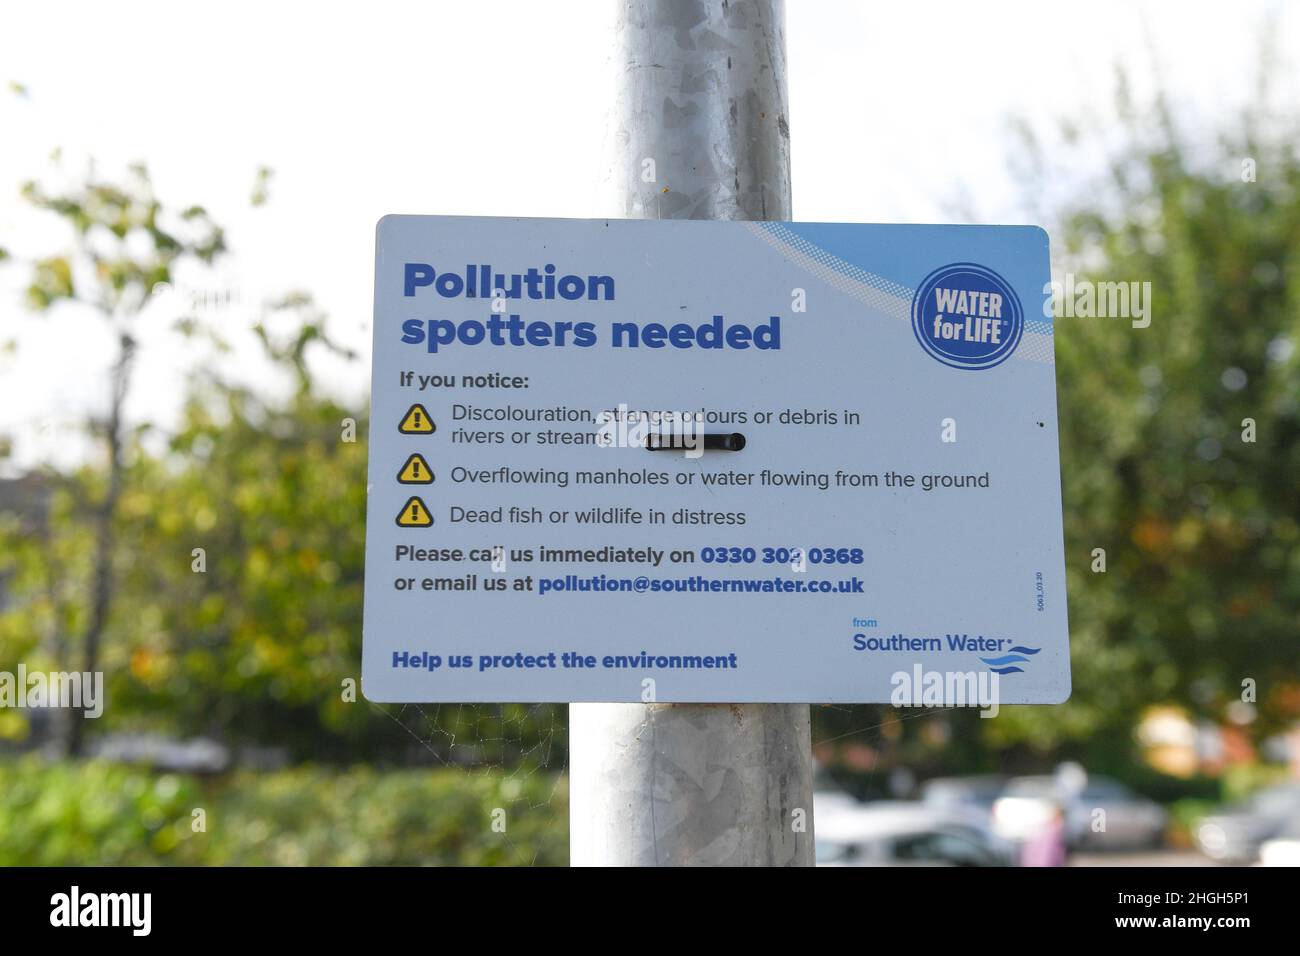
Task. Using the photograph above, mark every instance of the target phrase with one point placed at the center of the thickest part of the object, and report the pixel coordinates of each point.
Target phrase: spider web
(522, 749)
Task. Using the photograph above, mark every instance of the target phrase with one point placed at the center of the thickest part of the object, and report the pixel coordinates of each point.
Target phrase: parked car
(978, 792)
(904, 833)
(1236, 834)
(830, 802)
(1130, 821)
(1283, 849)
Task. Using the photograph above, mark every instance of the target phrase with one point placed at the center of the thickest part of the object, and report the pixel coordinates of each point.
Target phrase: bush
(94, 813)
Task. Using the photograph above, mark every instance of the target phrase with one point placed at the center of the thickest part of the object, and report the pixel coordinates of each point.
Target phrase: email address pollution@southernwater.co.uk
(696, 584)
(604, 584)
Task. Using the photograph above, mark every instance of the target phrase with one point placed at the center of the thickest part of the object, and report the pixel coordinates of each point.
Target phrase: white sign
(713, 461)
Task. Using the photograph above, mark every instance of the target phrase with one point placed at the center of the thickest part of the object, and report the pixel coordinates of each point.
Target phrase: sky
(899, 112)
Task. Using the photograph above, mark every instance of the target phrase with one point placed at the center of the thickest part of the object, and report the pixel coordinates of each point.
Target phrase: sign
(714, 462)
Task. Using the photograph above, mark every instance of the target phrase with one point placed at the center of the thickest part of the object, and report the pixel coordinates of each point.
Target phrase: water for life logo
(967, 316)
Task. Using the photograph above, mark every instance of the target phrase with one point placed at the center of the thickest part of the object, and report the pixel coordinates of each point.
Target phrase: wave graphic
(1005, 659)
(1005, 663)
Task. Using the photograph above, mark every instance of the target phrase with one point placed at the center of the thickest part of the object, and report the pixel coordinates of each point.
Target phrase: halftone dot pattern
(883, 295)
(1036, 347)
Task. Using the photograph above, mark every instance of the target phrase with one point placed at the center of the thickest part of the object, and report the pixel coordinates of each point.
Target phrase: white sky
(898, 111)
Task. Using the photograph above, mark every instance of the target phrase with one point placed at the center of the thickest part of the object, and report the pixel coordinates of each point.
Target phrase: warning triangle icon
(414, 514)
(415, 472)
(416, 421)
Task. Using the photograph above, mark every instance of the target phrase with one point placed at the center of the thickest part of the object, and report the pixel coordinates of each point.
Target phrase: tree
(123, 245)
(1180, 447)
(1181, 441)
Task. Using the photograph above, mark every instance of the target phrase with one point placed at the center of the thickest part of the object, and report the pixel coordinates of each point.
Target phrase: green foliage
(124, 247)
(1201, 528)
(261, 191)
(232, 556)
(75, 814)
(258, 643)
(124, 237)
(255, 647)
(92, 813)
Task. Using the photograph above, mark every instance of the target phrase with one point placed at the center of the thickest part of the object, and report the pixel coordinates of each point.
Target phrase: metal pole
(699, 132)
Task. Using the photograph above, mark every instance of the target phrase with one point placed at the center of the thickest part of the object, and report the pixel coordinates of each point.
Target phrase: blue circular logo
(967, 316)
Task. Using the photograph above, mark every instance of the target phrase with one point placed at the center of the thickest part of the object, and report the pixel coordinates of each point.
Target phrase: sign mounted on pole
(713, 461)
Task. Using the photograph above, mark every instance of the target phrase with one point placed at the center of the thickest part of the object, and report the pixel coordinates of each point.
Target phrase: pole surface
(699, 131)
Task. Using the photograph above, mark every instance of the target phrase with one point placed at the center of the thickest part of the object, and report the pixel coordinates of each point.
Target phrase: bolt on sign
(727, 461)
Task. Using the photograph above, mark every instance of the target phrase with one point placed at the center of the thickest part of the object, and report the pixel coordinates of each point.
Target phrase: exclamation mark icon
(415, 472)
(416, 421)
(414, 514)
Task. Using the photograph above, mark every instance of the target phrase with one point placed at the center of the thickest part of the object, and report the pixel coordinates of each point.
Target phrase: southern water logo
(1006, 664)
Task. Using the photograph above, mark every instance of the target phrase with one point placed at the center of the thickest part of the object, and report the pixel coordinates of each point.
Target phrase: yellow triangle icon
(416, 421)
(415, 471)
(414, 514)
